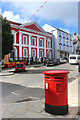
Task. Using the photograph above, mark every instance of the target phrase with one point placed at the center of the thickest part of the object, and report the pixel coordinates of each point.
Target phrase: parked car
(55, 62)
(20, 67)
(63, 60)
(48, 62)
(58, 61)
(67, 59)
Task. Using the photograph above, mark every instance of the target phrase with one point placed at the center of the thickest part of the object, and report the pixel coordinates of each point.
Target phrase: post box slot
(58, 77)
(47, 76)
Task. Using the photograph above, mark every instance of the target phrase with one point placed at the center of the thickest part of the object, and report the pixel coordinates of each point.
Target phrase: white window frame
(23, 39)
(26, 52)
(35, 53)
(34, 42)
(40, 53)
(42, 42)
(49, 40)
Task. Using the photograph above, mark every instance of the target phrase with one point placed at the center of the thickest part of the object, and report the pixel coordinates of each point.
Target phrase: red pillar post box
(56, 91)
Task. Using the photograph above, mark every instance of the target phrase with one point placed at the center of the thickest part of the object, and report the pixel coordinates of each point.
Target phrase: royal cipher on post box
(56, 91)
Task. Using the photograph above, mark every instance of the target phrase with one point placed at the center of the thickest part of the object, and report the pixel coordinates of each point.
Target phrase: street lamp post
(76, 43)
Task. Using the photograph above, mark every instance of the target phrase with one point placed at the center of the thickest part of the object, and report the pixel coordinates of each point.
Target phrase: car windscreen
(73, 58)
(50, 60)
(19, 65)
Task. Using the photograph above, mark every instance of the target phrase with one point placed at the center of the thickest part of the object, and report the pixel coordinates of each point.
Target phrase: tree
(7, 38)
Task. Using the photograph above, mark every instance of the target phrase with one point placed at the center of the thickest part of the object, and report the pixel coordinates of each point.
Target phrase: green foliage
(7, 38)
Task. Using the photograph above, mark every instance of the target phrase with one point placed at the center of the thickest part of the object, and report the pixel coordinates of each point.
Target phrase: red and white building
(31, 40)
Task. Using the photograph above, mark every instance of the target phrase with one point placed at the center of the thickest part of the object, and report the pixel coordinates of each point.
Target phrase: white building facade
(63, 42)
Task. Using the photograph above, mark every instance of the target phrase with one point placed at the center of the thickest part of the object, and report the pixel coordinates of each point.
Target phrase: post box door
(55, 92)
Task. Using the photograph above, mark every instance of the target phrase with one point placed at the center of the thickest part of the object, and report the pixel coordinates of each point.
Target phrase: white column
(37, 47)
(44, 47)
(15, 37)
(29, 46)
(20, 45)
(14, 33)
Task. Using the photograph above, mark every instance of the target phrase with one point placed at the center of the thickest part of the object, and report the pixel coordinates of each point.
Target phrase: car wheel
(16, 71)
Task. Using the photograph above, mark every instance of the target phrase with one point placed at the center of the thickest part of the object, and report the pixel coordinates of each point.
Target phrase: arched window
(33, 41)
(25, 52)
(41, 53)
(41, 42)
(48, 54)
(25, 40)
(15, 52)
(34, 53)
(49, 43)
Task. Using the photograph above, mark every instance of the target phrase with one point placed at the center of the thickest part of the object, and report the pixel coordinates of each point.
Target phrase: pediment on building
(33, 26)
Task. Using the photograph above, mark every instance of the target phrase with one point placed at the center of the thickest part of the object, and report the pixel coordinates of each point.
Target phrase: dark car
(48, 62)
(20, 67)
(58, 61)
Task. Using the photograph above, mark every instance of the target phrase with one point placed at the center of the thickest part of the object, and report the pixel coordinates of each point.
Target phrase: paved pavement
(35, 108)
(16, 86)
(30, 83)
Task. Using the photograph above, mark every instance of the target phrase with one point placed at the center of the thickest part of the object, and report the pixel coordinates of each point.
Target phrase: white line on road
(15, 92)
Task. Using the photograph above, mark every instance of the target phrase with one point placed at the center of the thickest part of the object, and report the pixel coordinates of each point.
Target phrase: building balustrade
(60, 43)
(64, 37)
(64, 44)
(67, 38)
(60, 36)
(67, 45)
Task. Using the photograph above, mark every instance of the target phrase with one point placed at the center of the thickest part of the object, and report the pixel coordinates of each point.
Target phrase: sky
(63, 15)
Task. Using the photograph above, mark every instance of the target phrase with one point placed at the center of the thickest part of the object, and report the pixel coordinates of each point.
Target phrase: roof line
(61, 30)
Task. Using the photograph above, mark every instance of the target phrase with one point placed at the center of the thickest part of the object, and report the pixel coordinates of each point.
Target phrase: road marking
(15, 92)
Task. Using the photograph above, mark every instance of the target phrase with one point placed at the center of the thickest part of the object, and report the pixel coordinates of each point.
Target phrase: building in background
(30, 41)
(63, 42)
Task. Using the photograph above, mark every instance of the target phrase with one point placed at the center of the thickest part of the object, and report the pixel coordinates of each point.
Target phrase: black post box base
(56, 110)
